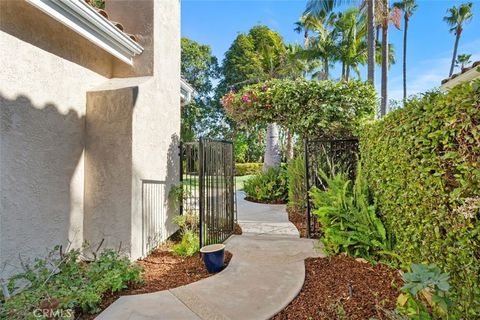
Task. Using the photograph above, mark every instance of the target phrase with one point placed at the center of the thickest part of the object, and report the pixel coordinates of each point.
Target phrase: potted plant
(214, 257)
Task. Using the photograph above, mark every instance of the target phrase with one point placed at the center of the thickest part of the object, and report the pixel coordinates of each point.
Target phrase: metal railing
(154, 215)
(328, 155)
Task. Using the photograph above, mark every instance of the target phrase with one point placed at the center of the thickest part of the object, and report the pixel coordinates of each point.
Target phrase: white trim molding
(86, 21)
(186, 92)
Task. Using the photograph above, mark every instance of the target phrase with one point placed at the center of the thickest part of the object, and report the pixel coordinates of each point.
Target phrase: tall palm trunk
(272, 150)
(371, 40)
(405, 59)
(455, 48)
(289, 145)
(384, 89)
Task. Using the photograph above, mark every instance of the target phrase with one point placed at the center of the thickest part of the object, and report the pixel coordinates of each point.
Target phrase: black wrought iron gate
(207, 175)
(327, 154)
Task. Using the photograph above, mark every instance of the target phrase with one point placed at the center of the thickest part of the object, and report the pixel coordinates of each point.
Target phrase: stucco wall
(153, 104)
(76, 144)
(46, 72)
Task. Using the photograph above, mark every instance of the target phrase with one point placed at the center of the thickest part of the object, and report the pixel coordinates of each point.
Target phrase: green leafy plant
(177, 194)
(64, 282)
(349, 220)
(243, 169)
(422, 163)
(296, 185)
(306, 107)
(270, 186)
(424, 283)
(190, 243)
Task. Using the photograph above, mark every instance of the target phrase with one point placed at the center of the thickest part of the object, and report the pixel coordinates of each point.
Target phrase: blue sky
(217, 23)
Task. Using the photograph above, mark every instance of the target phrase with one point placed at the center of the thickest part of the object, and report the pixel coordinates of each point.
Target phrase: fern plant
(350, 222)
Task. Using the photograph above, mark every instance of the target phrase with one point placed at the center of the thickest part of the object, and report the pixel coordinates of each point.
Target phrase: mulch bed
(237, 229)
(276, 201)
(300, 222)
(163, 270)
(325, 293)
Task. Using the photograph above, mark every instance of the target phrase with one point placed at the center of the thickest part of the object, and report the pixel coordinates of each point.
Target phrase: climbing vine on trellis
(308, 107)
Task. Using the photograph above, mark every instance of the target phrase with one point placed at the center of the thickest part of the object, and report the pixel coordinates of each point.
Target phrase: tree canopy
(308, 107)
(199, 67)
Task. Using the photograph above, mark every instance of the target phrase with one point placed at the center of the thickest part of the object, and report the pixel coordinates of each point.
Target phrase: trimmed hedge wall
(423, 165)
(243, 169)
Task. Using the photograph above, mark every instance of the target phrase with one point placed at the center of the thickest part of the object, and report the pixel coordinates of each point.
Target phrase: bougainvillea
(308, 107)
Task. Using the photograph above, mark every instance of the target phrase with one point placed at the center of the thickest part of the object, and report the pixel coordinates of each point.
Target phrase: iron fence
(328, 155)
(207, 173)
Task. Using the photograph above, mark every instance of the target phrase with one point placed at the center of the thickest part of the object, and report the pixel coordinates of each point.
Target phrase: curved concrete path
(266, 273)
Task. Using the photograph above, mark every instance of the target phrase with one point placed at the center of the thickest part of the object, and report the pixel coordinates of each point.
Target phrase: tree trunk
(455, 48)
(272, 150)
(371, 40)
(289, 145)
(405, 60)
(325, 68)
(343, 70)
(347, 73)
(384, 89)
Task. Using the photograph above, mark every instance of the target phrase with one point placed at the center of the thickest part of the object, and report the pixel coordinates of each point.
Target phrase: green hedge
(423, 164)
(243, 169)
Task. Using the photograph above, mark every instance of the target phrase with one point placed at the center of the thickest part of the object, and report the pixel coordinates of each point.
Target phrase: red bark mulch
(300, 222)
(326, 294)
(237, 229)
(275, 201)
(163, 270)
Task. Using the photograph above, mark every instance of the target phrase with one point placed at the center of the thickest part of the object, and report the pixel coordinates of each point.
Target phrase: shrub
(243, 169)
(349, 220)
(269, 187)
(423, 164)
(296, 185)
(190, 243)
(63, 282)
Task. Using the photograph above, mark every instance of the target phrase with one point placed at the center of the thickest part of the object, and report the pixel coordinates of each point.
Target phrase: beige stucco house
(90, 122)
(466, 74)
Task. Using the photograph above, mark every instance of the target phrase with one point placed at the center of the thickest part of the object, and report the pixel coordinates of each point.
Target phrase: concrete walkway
(266, 273)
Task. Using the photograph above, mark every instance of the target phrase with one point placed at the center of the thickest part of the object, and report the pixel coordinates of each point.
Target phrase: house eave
(469, 75)
(186, 92)
(83, 19)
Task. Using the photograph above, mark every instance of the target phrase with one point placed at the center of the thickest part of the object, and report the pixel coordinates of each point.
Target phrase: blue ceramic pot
(213, 257)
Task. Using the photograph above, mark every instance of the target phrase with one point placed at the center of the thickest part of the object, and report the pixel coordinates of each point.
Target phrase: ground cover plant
(64, 285)
(268, 187)
(423, 165)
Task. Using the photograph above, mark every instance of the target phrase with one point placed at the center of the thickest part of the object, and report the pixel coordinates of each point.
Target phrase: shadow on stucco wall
(23, 21)
(40, 167)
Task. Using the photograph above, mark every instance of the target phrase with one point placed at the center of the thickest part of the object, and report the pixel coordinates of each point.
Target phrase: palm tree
(371, 40)
(352, 50)
(456, 18)
(323, 47)
(408, 7)
(462, 60)
(315, 7)
(386, 17)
